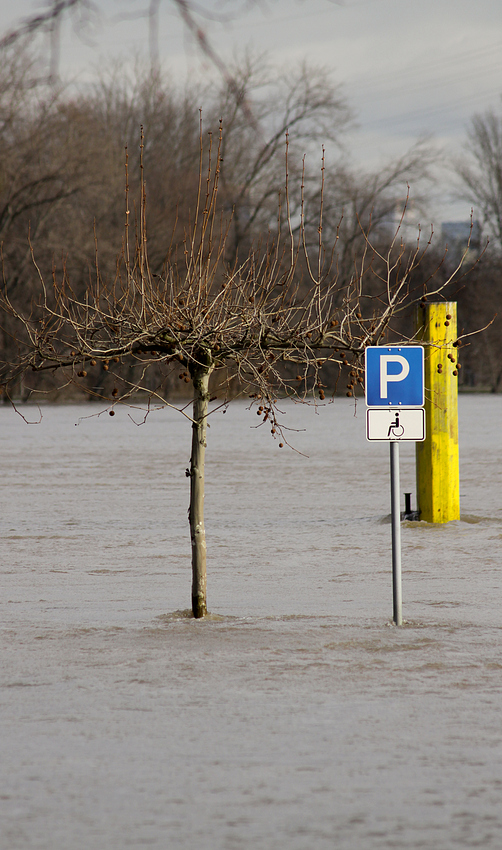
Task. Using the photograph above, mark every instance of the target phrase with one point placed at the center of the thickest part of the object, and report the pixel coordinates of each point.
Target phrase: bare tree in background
(269, 325)
(481, 171)
(45, 155)
(60, 152)
(301, 102)
(60, 155)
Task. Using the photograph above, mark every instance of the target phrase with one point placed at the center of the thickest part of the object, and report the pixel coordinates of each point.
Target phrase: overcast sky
(407, 68)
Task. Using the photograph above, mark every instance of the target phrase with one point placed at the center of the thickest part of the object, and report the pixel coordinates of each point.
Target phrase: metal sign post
(395, 398)
(397, 594)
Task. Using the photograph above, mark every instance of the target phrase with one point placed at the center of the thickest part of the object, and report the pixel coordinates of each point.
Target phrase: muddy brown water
(295, 716)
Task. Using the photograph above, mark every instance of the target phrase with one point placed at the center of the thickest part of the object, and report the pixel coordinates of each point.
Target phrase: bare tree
(258, 103)
(269, 325)
(45, 153)
(60, 161)
(302, 102)
(60, 150)
(479, 303)
(374, 200)
(480, 171)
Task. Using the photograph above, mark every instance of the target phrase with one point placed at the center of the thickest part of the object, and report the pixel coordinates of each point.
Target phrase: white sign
(391, 424)
(395, 376)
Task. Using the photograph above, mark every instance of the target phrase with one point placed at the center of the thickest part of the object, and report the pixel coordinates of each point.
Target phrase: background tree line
(62, 172)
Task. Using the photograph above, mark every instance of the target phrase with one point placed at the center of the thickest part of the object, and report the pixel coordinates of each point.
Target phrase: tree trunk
(200, 377)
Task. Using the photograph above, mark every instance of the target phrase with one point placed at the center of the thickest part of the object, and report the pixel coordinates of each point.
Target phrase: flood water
(295, 716)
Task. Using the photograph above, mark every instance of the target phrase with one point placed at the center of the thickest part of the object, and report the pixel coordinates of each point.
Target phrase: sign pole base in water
(397, 595)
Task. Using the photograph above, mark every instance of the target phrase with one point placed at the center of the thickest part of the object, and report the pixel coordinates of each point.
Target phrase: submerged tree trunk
(200, 373)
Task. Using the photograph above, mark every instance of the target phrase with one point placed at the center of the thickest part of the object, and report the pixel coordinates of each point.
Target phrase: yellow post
(437, 456)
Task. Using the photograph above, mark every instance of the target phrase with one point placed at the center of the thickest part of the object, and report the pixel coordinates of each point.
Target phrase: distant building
(404, 220)
(455, 237)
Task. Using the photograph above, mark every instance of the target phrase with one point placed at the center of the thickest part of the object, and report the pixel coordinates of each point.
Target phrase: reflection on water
(296, 715)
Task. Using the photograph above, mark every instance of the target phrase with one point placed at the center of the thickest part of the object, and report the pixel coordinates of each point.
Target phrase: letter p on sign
(386, 377)
(395, 376)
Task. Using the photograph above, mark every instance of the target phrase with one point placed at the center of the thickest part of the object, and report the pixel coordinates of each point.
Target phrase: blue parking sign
(395, 376)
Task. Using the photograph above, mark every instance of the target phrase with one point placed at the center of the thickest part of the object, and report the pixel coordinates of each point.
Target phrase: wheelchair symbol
(395, 429)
